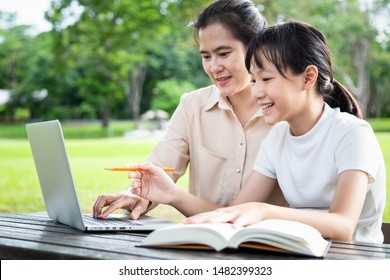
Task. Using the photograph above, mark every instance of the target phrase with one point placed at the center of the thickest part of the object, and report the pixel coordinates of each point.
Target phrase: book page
(289, 235)
(213, 235)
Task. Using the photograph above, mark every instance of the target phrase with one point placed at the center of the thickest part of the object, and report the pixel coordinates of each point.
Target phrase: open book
(273, 234)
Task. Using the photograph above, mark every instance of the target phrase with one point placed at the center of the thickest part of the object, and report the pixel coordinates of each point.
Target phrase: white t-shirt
(307, 166)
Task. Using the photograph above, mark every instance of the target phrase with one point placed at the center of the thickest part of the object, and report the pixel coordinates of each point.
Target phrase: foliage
(111, 46)
(83, 130)
(352, 41)
(106, 59)
(379, 105)
(168, 92)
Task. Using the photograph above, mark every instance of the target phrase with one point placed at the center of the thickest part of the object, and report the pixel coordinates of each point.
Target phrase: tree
(23, 60)
(108, 58)
(351, 38)
(112, 44)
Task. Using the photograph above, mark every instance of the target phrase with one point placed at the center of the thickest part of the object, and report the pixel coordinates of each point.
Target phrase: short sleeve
(359, 150)
(173, 149)
(263, 163)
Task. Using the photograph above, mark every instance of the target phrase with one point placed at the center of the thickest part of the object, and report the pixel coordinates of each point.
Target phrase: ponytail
(341, 97)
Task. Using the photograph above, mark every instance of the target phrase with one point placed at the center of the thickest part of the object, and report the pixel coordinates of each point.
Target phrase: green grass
(384, 142)
(19, 186)
(380, 125)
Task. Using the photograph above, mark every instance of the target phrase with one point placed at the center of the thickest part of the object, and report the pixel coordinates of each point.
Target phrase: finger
(99, 204)
(245, 220)
(106, 212)
(136, 191)
(196, 219)
(130, 187)
(95, 209)
(221, 217)
(139, 208)
(136, 175)
(134, 215)
(113, 206)
(136, 187)
(139, 190)
(217, 216)
(240, 222)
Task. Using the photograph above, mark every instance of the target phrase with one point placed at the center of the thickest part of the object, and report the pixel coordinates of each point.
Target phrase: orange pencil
(166, 169)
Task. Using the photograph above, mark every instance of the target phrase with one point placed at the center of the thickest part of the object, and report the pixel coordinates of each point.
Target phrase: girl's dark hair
(241, 17)
(295, 45)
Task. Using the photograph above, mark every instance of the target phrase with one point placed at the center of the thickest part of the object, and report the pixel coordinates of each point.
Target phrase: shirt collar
(216, 99)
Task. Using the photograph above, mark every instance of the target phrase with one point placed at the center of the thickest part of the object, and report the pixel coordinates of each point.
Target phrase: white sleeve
(359, 150)
(263, 163)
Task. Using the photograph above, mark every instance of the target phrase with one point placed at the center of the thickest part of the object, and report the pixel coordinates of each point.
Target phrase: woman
(216, 130)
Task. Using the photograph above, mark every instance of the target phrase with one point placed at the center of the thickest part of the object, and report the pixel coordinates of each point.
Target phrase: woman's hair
(295, 45)
(241, 17)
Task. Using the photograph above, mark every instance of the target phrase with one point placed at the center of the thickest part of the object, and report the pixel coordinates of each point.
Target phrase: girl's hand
(239, 215)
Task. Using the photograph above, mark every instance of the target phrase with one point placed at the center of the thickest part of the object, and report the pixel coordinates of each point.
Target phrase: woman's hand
(123, 200)
(153, 184)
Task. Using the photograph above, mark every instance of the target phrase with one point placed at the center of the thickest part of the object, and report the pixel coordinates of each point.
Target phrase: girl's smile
(266, 108)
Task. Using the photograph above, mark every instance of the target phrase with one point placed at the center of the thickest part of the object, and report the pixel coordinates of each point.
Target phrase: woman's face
(223, 59)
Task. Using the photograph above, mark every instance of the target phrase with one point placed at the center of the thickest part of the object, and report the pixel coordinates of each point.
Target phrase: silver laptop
(58, 188)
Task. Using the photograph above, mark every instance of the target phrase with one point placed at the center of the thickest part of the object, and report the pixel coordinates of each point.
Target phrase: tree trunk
(360, 56)
(105, 115)
(361, 90)
(134, 90)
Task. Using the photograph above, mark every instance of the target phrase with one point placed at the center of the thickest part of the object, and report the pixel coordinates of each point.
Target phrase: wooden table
(35, 236)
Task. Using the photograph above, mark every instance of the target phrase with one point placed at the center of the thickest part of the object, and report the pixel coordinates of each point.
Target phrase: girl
(215, 131)
(325, 158)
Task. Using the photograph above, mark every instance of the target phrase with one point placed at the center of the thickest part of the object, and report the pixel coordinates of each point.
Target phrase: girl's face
(223, 59)
(280, 98)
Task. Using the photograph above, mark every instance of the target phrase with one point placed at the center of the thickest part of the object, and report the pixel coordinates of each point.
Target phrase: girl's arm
(338, 224)
(346, 206)
(340, 221)
(257, 188)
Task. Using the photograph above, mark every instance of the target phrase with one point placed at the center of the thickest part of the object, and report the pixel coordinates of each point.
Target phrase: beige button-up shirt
(205, 134)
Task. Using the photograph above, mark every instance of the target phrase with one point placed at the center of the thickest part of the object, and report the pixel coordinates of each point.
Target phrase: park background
(105, 66)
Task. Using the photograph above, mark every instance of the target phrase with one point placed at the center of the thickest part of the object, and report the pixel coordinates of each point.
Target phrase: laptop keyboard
(89, 219)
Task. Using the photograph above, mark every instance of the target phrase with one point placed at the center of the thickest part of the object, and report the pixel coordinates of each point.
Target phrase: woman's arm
(153, 184)
(173, 149)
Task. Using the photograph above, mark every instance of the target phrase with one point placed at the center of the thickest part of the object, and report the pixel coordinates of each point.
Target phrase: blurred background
(104, 60)
(113, 73)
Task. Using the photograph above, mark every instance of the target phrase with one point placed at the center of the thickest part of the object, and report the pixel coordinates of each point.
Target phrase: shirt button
(241, 143)
(238, 170)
